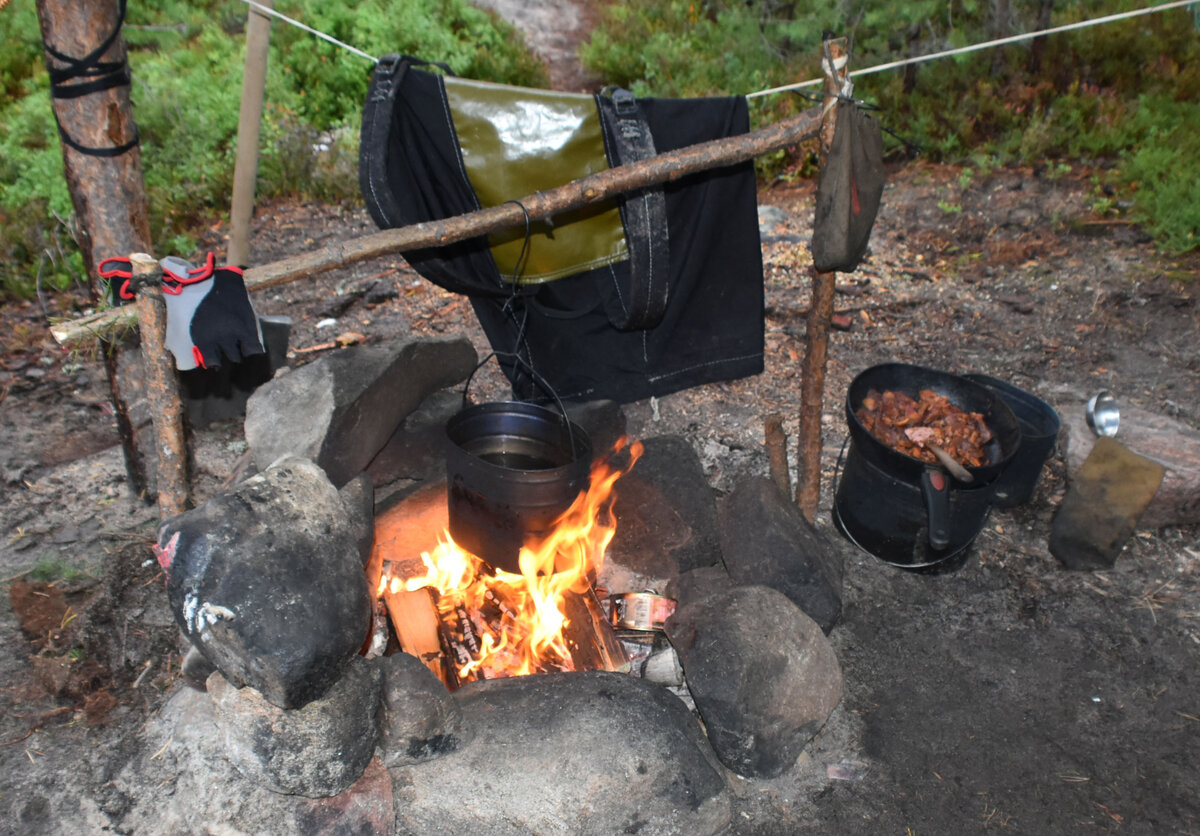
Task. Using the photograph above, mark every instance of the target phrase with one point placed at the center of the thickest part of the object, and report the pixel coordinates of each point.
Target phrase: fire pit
(420, 667)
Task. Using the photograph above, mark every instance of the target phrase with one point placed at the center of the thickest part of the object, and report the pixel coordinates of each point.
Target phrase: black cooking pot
(902, 509)
(511, 468)
(1039, 424)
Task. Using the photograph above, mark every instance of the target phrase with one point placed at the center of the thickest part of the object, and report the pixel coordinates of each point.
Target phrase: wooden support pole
(541, 205)
(820, 312)
(245, 170)
(162, 387)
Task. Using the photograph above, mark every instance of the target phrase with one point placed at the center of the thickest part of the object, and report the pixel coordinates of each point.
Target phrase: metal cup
(1103, 416)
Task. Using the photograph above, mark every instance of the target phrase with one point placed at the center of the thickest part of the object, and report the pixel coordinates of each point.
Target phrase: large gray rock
(1171, 443)
(315, 751)
(416, 451)
(766, 541)
(421, 720)
(582, 753)
(763, 676)
(340, 410)
(666, 514)
(267, 582)
(179, 780)
(358, 498)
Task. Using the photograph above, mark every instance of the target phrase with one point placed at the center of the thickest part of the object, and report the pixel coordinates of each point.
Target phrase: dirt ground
(1012, 694)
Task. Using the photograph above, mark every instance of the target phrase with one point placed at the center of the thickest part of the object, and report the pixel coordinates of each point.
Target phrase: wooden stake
(820, 313)
(664, 168)
(776, 442)
(162, 387)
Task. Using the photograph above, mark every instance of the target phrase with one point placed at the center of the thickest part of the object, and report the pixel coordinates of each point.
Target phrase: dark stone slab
(268, 583)
(358, 498)
(1100, 512)
(602, 420)
(765, 540)
(582, 753)
(340, 410)
(315, 751)
(764, 677)
(416, 451)
(666, 513)
(420, 719)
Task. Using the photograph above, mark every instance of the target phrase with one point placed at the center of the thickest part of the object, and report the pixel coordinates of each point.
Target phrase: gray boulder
(315, 751)
(580, 753)
(420, 720)
(358, 498)
(416, 451)
(267, 582)
(666, 514)
(764, 677)
(340, 410)
(765, 540)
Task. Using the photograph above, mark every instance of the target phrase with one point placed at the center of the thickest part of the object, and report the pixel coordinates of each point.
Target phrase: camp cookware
(906, 511)
(1103, 416)
(512, 468)
(1039, 425)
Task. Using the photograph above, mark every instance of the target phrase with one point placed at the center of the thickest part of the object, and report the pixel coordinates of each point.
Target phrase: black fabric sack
(848, 191)
(574, 331)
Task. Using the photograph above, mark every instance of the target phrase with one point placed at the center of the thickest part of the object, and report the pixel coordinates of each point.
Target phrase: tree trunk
(90, 95)
(1000, 29)
(1038, 48)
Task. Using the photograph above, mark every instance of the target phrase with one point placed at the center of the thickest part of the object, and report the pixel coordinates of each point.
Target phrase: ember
(489, 623)
(909, 425)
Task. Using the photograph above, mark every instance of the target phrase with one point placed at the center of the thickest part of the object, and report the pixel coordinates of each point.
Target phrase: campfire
(466, 620)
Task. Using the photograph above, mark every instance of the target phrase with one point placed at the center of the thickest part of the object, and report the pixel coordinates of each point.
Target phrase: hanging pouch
(848, 191)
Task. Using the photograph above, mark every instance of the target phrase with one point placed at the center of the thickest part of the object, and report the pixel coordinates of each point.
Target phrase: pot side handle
(935, 488)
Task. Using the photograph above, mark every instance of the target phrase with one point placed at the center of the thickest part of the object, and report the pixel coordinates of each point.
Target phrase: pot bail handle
(542, 383)
(935, 488)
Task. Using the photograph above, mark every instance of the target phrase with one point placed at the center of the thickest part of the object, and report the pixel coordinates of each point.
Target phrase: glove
(209, 315)
(116, 272)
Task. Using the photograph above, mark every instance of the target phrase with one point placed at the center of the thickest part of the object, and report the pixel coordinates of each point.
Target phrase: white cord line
(269, 11)
(999, 42)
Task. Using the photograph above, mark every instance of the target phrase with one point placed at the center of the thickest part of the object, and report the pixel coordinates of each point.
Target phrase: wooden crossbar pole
(664, 168)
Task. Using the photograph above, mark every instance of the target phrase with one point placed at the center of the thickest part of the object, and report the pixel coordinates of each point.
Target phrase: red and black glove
(209, 315)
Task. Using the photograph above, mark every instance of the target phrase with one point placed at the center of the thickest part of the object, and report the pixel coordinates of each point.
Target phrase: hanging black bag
(848, 191)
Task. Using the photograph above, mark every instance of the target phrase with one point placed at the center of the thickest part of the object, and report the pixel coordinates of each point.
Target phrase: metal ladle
(1103, 416)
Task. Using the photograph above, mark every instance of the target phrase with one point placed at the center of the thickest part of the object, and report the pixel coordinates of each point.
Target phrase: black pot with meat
(924, 453)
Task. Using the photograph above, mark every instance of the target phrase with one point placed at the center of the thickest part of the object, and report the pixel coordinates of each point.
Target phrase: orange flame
(513, 623)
